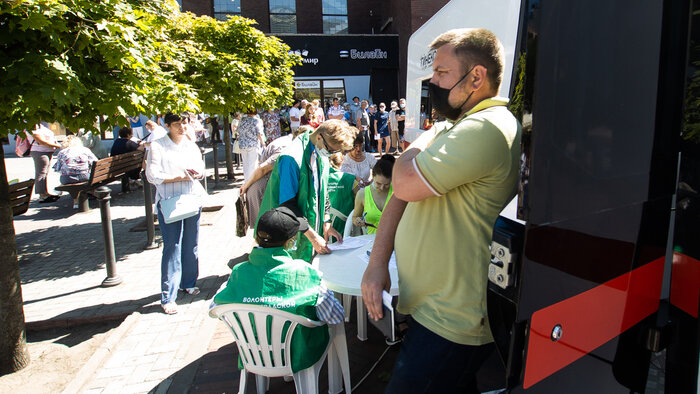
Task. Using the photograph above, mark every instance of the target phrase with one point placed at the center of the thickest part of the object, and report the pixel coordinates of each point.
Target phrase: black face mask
(440, 97)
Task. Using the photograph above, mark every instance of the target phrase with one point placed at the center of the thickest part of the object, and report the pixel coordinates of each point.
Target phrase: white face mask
(323, 152)
(403, 105)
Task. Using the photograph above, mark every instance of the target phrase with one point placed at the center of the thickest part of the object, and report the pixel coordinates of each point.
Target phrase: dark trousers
(368, 140)
(429, 363)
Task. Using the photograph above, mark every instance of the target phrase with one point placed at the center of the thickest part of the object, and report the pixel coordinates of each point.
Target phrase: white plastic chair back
(347, 232)
(266, 355)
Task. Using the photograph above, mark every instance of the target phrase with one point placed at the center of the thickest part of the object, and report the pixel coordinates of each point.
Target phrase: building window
(335, 17)
(223, 9)
(283, 16)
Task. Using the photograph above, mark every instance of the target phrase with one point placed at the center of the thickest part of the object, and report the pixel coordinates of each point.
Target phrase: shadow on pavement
(63, 208)
(72, 336)
(64, 251)
(217, 370)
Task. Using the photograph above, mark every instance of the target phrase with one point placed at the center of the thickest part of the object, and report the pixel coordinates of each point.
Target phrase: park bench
(105, 171)
(20, 194)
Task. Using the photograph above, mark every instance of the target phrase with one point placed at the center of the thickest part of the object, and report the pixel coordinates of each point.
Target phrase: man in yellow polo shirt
(449, 188)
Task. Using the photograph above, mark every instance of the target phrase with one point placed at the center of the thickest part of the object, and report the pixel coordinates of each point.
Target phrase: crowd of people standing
(447, 188)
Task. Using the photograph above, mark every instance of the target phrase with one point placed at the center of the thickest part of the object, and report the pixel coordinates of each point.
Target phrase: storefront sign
(355, 54)
(426, 61)
(305, 59)
(352, 54)
(307, 84)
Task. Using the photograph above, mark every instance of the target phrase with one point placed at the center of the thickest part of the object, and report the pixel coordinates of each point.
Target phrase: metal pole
(216, 164)
(227, 147)
(112, 279)
(204, 178)
(148, 205)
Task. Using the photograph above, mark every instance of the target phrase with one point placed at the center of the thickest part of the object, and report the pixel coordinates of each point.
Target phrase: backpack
(22, 146)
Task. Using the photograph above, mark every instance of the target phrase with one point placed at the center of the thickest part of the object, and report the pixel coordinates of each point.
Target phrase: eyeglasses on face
(328, 147)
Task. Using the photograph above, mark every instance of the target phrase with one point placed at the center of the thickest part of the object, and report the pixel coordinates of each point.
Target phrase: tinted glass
(227, 6)
(335, 24)
(336, 7)
(281, 23)
(283, 6)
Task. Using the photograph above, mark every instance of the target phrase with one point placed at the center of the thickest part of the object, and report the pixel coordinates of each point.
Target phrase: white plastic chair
(347, 231)
(347, 299)
(270, 356)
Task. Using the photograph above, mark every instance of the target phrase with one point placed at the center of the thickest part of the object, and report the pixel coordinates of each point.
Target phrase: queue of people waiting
(447, 190)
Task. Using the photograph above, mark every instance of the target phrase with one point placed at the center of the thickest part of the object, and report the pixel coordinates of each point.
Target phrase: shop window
(223, 9)
(335, 17)
(324, 90)
(283, 18)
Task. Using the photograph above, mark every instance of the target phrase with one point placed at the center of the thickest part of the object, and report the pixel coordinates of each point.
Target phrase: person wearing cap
(174, 165)
(299, 181)
(271, 277)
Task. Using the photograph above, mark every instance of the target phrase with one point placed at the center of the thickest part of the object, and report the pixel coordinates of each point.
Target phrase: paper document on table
(348, 243)
(365, 257)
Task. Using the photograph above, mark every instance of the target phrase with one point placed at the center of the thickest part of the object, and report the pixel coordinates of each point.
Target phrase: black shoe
(48, 199)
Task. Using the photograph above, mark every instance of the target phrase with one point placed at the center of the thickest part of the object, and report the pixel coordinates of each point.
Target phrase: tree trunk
(13, 341)
(227, 147)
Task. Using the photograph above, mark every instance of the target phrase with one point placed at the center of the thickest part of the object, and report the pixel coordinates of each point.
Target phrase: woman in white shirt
(173, 165)
(250, 140)
(358, 162)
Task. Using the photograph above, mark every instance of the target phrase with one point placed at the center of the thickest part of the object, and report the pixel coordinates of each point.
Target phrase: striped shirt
(167, 160)
(328, 308)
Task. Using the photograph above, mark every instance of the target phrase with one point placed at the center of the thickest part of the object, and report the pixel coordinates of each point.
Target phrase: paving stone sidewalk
(62, 266)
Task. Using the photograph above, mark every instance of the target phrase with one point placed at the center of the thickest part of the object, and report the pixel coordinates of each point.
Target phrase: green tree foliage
(232, 65)
(691, 121)
(73, 60)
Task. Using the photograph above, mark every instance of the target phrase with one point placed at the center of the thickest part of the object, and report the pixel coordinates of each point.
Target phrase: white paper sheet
(348, 243)
(364, 256)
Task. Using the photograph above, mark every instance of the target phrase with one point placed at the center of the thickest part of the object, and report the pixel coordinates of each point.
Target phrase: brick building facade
(358, 21)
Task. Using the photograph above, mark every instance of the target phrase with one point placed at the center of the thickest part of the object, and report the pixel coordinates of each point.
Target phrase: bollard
(216, 164)
(148, 205)
(112, 279)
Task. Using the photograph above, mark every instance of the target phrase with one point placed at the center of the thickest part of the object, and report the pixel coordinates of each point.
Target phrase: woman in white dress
(358, 162)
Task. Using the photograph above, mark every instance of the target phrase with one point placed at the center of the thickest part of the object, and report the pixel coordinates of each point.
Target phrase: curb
(98, 358)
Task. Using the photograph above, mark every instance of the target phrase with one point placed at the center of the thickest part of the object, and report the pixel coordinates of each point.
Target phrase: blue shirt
(289, 177)
(382, 119)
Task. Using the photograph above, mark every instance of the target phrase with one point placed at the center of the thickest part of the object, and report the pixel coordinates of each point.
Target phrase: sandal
(191, 290)
(169, 308)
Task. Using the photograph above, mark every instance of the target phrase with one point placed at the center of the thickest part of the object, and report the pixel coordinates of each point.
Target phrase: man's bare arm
(376, 277)
(407, 182)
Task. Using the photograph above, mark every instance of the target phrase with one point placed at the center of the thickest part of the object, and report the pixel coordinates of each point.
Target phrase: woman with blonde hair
(73, 161)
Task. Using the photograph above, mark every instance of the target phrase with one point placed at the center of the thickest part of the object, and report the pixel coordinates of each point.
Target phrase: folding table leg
(361, 320)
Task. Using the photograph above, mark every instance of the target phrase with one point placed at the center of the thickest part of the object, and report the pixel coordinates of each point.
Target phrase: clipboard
(386, 323)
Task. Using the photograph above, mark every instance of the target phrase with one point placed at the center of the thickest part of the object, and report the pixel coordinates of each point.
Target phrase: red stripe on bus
(590, 319)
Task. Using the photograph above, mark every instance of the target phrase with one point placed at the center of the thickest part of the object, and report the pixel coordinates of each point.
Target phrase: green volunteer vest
(271, 277)
(310, 203)
(373, 213)
(342, 198)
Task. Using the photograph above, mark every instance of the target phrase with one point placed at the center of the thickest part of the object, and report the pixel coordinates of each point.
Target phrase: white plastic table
(342, 272)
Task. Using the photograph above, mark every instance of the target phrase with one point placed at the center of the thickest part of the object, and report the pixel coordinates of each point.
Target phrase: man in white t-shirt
(295, 115)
